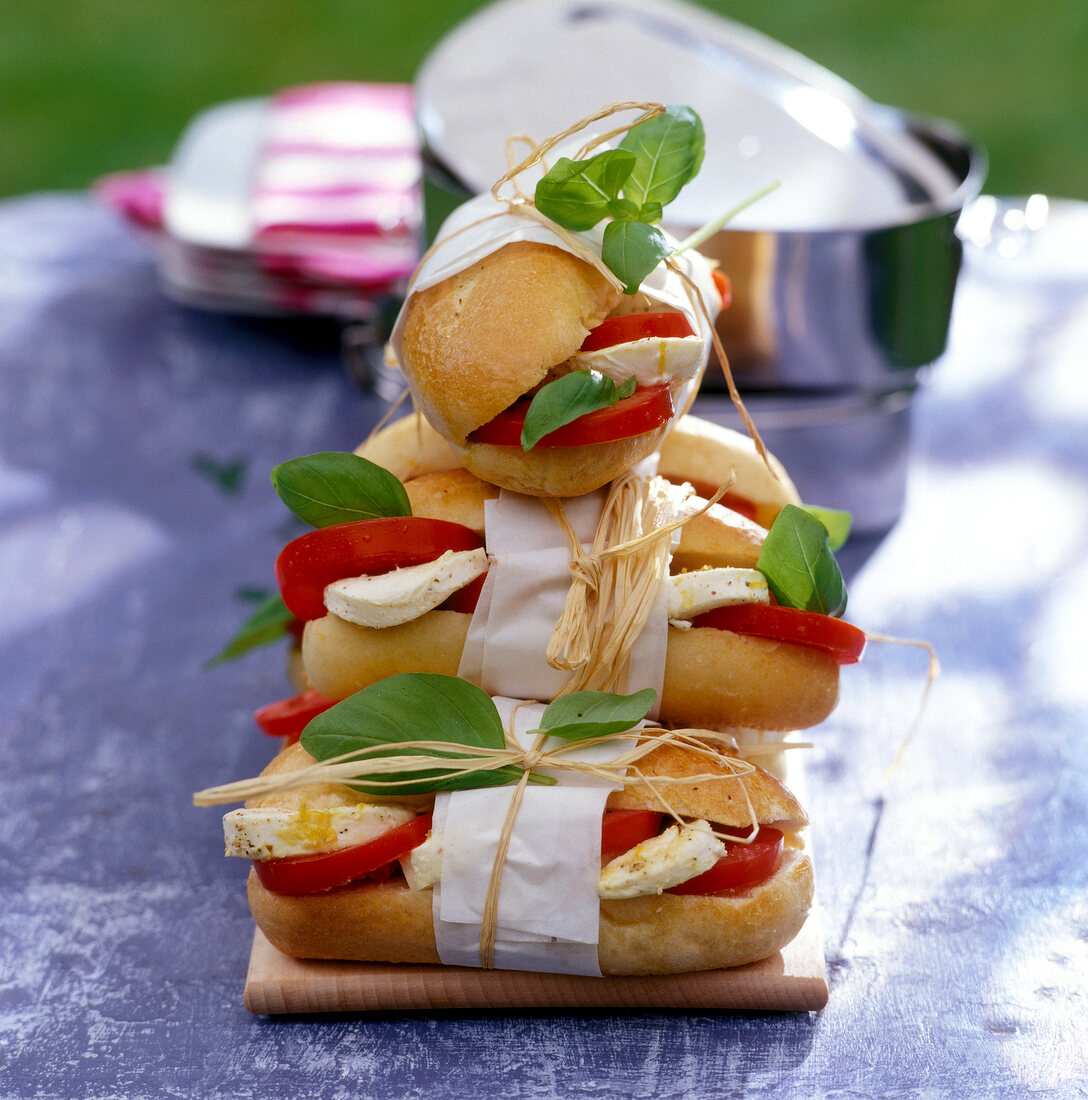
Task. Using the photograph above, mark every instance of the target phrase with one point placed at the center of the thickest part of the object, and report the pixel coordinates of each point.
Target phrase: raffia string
(933, 670)
(369, 764)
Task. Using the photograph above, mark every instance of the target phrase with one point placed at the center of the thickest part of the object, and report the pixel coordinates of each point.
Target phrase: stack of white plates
(305, 202)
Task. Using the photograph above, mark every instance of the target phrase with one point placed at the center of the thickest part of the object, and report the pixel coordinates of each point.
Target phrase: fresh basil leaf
(267, 624)
(576, 193)
(412, 707)
(632, 250)
(565, 399)
(836, 521)
(800, 568)
(669, 150)
(585, 714)
(338, 487)
(624, 210)
(650, 212)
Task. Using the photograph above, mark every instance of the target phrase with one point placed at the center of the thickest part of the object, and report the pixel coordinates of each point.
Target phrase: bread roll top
(729, 800)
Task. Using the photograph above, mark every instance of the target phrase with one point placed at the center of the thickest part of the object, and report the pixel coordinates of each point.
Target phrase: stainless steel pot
(843, 279)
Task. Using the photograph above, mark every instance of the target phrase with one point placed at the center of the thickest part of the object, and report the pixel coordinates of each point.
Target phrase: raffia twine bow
(616, 583)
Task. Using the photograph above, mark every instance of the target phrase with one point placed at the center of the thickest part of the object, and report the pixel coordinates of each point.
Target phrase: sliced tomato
(646, 409)
(842, 641)
(623, 829)
(289, 717)
(367, 546)
(636, 326)
(723, 286)
(321, 871)
(742, 866)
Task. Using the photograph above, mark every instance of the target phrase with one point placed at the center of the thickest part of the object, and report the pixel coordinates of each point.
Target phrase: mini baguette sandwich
(719, 879)
(397, 594)
(547, 364)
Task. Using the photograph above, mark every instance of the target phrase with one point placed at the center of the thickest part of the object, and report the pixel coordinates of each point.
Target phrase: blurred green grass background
(93, 86)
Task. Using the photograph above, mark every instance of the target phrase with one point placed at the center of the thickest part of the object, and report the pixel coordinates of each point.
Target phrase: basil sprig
(423, 706)
(800, 568)
(566, 399)
(268, 623)
(630, 186)
(338, 487)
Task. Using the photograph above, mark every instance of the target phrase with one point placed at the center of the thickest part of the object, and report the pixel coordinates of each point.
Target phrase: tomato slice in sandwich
(309, 563)
(289, 717)
(646, 409)
(842, 641)
(742, 866)
(629, 327)
(623, 829)
(321, 871)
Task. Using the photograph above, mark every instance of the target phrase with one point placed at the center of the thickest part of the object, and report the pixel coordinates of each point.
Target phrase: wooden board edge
(792, 980)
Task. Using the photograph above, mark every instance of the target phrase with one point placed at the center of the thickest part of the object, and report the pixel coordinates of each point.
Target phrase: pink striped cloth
(340, 167)
(335, 209)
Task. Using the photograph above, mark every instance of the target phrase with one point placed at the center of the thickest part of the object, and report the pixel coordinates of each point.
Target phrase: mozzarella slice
(653, 360)
(422, 866)
(679, 853)
(389, 599)
(691, 594)
(276, 834)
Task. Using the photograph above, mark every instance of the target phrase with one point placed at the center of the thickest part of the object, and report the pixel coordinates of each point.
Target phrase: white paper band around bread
(484, 224)
(525, 591)
(548, 909)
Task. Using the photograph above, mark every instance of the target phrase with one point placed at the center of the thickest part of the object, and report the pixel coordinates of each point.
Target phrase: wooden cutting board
(792, 980)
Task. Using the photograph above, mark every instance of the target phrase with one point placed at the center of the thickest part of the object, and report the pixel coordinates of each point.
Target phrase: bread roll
(453, 495)
(477, 342)
(656, 934)
(719, 537)
(408, 447)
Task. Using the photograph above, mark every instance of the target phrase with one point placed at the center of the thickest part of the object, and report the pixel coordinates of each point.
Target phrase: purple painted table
(135, 442)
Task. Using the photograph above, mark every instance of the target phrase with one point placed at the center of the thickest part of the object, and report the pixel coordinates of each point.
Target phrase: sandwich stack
(553, 633)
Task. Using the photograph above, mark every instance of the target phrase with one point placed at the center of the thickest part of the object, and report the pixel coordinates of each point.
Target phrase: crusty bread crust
(714, 679)
(408, 447)
(718, 538)
(342, 658)
(657, 934)
(730, 800)
(476, 342)
(454, 495)
(558, 471)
